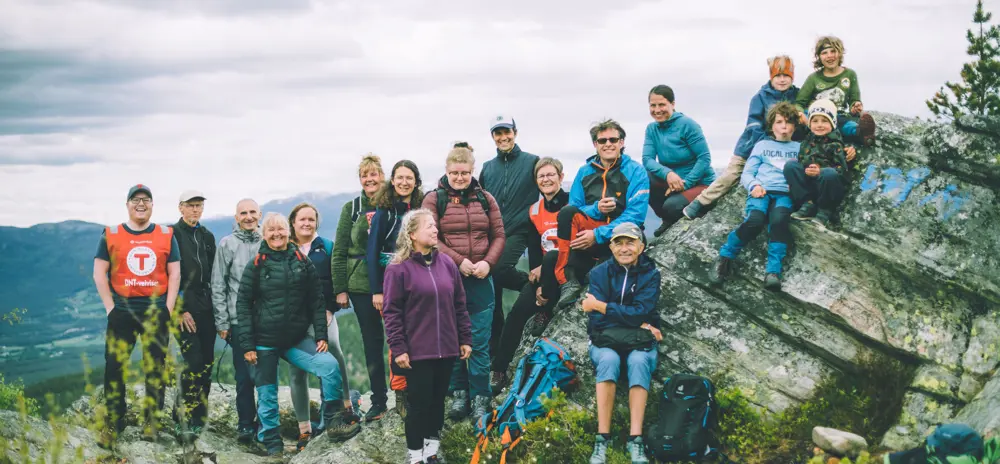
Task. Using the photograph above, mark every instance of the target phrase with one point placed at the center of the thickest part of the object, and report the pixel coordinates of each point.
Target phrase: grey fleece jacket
(231, 258)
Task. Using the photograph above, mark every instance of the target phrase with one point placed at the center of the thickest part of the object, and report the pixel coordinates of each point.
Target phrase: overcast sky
(269, 98)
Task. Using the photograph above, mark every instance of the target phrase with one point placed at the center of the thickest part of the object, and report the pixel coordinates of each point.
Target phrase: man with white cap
(510, 178)
(197, 330)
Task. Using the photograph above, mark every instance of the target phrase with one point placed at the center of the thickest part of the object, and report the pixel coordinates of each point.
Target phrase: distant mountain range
(46, 270)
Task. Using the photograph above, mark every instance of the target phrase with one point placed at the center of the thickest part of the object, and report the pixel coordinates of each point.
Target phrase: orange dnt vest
(139, 262)
(546, 223)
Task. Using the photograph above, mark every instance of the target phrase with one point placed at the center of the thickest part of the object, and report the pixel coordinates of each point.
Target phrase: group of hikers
(424, 271)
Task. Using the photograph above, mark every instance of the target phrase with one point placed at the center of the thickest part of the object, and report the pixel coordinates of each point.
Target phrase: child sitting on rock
(818, 180)
(778, 89)
(769, 204)
(834, 82)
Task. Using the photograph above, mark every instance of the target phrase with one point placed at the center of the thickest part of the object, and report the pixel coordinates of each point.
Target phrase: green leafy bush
(12, 398)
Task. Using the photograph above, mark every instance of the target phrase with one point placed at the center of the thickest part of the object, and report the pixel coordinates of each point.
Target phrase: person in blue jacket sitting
(610, 189)
(677, 157)
(623, 295)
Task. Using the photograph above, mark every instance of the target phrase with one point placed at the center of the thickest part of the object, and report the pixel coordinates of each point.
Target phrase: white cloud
(240, 100)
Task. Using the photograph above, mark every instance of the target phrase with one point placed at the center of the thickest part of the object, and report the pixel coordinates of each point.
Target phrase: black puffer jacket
(279, 297)
(197, 248)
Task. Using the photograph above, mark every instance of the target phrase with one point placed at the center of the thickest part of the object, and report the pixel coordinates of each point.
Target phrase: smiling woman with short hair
(279, 298)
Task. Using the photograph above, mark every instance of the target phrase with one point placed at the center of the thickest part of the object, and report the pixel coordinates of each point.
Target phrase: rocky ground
(912, 273)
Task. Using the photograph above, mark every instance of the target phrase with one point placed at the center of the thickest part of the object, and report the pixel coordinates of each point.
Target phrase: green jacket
(348, 268)
(842, 90)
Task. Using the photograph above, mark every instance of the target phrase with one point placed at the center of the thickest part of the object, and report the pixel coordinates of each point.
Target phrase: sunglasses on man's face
(602, 141)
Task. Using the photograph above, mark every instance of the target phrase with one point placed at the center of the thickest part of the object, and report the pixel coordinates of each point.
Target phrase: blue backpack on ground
(686, 414)
(546, 367)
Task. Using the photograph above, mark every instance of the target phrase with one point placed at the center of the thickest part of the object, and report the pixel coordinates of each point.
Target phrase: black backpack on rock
(686, 414)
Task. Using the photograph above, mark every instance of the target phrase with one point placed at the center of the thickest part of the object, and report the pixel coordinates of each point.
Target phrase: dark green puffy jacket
(279, 297)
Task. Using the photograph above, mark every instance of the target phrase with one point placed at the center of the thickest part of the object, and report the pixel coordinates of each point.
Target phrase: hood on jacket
(673, 117)
(246, 236)
(777, 95)
(464, 193)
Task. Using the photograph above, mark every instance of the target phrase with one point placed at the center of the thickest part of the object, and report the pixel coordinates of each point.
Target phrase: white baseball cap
(503, 121)
(189, 195)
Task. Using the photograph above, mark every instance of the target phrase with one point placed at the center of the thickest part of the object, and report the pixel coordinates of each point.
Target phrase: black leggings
(426, 386)
(525, 308)
(373, 338)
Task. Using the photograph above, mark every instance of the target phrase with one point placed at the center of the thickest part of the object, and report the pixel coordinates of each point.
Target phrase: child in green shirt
(832, 81)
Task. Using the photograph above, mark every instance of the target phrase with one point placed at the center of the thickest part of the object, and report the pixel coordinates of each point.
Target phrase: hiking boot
(807, 211)
(692, 210)
(663, 228)
(822, 218)
(244, 435)
(376, 411)
(772, 282)
(498, 381)
(303, 440)
(568, 293)
(402, 403)
(337, 428)
(721, 270)
(637, 451)
(537, 324)
(600, 454)
(433, 459)
(866, 129)
(459, 405)
(481, 405)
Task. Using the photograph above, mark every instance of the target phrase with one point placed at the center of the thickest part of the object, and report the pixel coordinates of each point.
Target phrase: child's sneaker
(692, 209)
(866, 129)
(772, 282)
(722, 268)
(807, 211)
(637, 451)
(822, 218)
(303, 440)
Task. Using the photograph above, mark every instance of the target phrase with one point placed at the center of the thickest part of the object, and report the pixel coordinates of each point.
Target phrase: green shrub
(12, 398)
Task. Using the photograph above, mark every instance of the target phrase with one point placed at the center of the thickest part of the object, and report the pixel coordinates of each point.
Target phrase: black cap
(139, 188)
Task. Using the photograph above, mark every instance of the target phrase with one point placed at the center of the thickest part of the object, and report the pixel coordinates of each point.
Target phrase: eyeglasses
(460, 173)
(602, 141)
(546, 176)
(143, 200)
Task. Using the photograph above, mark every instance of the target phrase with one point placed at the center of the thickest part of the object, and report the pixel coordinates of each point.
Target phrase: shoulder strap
(258, 260)
(164, 229)
(536, 208)
(393, 217)
(481, 196)
(442, 201)
(356, 209)
(113, 229)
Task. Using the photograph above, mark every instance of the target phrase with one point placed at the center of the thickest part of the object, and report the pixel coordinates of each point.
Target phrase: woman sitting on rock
(676, 156)
(279, 298)
(427, 326)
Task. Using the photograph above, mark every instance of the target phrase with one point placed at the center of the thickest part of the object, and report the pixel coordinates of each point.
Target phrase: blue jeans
(246, 407)
(303, 356)
(773, 211)
(475, 377)
(608, 362)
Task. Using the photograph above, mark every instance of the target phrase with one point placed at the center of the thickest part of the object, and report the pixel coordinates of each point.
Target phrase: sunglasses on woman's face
(602, 141)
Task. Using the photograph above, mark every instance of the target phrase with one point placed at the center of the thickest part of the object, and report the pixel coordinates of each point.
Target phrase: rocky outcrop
(912, 272)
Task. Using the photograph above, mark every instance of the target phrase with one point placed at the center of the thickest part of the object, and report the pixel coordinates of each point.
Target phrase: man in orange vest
(137, 272)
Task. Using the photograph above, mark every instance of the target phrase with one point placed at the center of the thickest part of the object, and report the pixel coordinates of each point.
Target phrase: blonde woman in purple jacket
(427, 326)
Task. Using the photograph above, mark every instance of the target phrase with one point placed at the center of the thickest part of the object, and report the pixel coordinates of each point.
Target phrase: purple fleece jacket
(424, 308)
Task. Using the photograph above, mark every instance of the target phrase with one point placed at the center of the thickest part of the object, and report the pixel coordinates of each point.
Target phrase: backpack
(950, 444)
(546, 367)
(686, 413)
(260, 258)
(443, 198)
